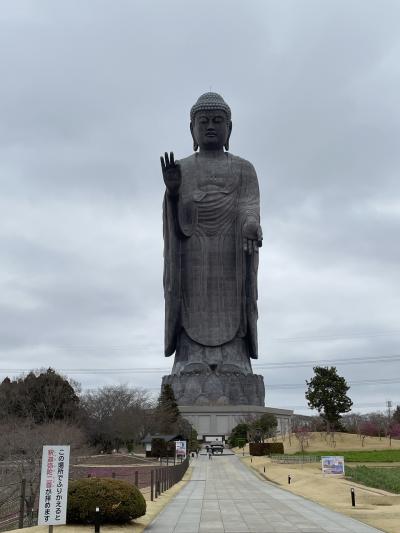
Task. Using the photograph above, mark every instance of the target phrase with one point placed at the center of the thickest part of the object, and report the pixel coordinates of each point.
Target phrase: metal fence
(148, 478)
(19, 500)
(17, 505)
(295, 459)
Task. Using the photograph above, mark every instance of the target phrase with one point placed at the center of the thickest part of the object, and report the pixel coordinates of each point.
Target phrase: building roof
(148, 438)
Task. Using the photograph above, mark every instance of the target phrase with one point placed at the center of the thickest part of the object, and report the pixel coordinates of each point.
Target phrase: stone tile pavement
(223, 496)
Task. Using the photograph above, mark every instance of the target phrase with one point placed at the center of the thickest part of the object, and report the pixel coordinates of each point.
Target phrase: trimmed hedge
(266, 448)
(119, 501)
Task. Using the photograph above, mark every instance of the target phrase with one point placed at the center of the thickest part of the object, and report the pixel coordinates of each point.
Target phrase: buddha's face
(211, 129)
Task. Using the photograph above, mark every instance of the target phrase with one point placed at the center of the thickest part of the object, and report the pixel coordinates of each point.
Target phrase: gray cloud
(90, 97)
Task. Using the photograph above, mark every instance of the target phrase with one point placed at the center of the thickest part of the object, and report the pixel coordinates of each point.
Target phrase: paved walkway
(223, 495)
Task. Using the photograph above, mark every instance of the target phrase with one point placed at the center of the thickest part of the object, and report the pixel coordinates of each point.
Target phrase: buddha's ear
(195, 143)
(226, 145)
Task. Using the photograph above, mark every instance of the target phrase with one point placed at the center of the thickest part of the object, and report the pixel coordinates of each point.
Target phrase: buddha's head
(210, 123)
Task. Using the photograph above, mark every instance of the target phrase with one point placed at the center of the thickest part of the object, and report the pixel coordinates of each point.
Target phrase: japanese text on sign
(53, 485)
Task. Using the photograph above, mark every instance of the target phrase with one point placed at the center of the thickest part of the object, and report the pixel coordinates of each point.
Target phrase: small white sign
(333, 464)
(180, 447)
(54, 486)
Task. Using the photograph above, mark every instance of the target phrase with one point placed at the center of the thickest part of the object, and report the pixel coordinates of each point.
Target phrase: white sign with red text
(54, 486)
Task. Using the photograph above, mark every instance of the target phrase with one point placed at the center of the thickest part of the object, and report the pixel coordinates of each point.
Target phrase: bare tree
(352, 421)
(116, 416)
(21, 445)
(302, 434)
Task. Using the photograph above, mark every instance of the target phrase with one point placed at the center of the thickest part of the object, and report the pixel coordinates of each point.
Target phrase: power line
(356, 360)
(345, 361)
(311, 337)
(336, 337)
(383, 381)
(279, 386)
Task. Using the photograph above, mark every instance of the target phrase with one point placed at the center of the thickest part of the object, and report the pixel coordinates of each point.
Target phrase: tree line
(45, 407)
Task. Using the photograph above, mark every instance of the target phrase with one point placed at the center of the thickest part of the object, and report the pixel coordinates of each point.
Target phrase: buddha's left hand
(252, 236)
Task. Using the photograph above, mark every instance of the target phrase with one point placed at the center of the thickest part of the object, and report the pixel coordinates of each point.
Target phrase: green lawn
(367, 456)
(380, 478)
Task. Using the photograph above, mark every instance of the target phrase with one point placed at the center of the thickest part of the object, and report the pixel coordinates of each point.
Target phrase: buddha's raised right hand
(171, 173)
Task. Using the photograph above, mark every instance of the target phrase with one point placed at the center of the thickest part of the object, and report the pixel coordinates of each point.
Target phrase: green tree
(264, 427)
(167, 410)
(167, 418)
(238, 436)
(396, 414)
(327, 394)
(184, 428)
(193, 442)
(42, 396)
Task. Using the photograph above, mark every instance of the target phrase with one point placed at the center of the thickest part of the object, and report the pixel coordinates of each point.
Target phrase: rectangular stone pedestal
(218, 421)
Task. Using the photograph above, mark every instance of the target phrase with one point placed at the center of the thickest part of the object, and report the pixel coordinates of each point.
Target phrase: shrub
(118, 501)
(266, 448)
(276, 447)
(258, 448)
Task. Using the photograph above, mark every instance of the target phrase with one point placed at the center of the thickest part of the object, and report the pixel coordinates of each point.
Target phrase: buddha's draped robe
(210, 283)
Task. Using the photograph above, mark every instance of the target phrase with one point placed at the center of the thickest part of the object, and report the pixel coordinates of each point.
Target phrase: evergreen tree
(396, 414)
(265, 426)
(43, 396)
(238, 436)
(327, 394)
(167, 411)
(184, 428)
(168, 419)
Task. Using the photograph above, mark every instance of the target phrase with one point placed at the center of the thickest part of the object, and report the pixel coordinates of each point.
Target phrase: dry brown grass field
(340, 441)
(375, 507)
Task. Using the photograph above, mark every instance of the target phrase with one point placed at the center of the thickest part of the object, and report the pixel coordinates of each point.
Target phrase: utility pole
(389, 406)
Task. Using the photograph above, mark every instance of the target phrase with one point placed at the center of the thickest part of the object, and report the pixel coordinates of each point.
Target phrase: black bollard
(97, 521)
(251, 459)
(353, 498)
(289, 479)
(264, 469)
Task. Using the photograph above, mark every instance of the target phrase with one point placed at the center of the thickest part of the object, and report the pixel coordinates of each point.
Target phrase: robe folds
(210, 283)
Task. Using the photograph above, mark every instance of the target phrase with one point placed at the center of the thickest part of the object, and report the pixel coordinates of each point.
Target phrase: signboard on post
(180, 448)
(333, 464)
(53, 486)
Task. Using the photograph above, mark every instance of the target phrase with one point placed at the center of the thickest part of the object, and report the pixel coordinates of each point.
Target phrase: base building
(214, 404)
(217, 422)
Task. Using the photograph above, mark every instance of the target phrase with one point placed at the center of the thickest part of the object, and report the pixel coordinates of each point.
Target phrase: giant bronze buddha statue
(212, 235)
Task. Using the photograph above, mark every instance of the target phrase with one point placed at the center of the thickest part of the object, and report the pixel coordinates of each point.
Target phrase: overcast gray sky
(92, 92)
